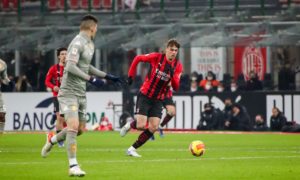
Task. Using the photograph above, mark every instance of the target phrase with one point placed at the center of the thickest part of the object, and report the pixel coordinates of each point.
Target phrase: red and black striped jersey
(169, 93)
(156, 82)
(54, 77)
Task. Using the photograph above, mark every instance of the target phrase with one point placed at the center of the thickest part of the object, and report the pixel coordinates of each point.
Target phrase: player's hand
(129, 80)
(116, 79)
(56, 88)
(112, 77)
(96, 81)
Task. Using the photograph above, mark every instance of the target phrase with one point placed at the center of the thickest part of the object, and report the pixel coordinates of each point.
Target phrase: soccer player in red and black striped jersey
(53, 81)
(165, 70)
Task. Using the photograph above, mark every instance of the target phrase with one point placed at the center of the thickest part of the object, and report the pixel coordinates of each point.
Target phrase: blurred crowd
(235, 117)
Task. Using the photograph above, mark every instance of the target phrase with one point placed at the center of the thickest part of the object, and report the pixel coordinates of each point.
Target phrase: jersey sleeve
(141, 58)
(175, 82)
(49, 76)
(74, 51)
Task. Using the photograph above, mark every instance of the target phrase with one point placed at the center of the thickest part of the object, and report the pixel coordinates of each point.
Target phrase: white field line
(247, 149)
(137, 160)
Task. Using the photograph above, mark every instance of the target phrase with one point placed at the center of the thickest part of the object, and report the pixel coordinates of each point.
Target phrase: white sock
(131, 148)
(54, 139)
(73, 161)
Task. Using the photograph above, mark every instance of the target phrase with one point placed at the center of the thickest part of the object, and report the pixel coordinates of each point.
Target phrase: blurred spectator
(10, 87)
(194, 85)
(220, 87)
(286, 78)
(22, 84)
(32, 74)
(297, 78)
(209, 118)
(260, 123)
(241, 82)
(240, 119)
(227, 112)
(209, 83)
(233, 86)
(277, 120)
(253, 83)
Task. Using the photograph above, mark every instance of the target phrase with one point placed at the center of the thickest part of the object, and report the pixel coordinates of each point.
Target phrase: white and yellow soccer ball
(197, 148)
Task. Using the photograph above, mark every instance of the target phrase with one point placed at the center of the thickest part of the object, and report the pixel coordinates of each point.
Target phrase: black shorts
(148, 107)
(55, 104)
(168, 102)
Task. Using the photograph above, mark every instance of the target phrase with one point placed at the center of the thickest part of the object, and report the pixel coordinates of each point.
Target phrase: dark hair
(60, 50)
(173, 42)
(89, 17)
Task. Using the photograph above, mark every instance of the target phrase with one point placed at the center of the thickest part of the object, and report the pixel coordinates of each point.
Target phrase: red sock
(166, 120)
(133, 124)
(144, 136)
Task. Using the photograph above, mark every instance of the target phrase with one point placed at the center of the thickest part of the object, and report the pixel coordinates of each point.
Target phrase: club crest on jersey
(162, 75)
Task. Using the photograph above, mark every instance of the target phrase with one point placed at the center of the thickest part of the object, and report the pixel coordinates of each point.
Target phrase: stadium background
(214, 35)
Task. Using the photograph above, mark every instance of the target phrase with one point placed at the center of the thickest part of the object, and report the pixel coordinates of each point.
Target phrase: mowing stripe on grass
(134, 160)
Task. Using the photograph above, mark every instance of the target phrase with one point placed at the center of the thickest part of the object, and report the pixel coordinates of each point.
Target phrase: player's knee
(140, 126)
(153, 128)
(2, 117)
(80, 132)
(171, 113)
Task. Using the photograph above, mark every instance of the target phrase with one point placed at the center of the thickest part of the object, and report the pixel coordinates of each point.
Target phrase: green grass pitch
(102, 156)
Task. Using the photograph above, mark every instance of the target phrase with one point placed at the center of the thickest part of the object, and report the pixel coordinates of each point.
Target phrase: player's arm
(175, 81)
(97, 72)
(4, 77)
(72, 59)
(48, 80)
(137, 60)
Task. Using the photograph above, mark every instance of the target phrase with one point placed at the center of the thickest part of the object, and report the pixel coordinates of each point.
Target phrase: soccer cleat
(46, 149)
(161, 132)
(124, 130)
(60, 144)
(48, 146)
(76, 171)
(133, 153)
(152, 138)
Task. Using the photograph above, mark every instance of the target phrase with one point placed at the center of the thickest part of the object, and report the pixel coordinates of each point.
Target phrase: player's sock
(133, 124)
(61, 142)
(166, 120)
(61, 136)
(71, 147)
(144, 137)
(2, 124)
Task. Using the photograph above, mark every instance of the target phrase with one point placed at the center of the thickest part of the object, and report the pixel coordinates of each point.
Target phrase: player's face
(171, 52)
(94, 31)
(62, 57)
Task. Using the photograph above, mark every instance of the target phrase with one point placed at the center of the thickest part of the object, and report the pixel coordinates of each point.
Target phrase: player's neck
(86, 33)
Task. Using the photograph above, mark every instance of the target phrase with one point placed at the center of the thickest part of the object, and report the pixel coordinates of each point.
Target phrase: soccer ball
(197, 148)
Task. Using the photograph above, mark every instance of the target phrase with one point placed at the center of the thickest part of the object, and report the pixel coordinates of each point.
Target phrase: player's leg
(59, 127)
(75, 128)
(2, 114)
(171, 112)
(141, 121)
(2, 122)
(142, 106)
(154, 109)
